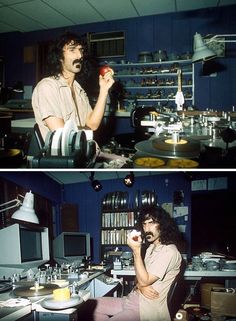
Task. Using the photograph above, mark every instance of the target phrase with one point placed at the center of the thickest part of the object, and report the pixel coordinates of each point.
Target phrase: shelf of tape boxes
(121, 223)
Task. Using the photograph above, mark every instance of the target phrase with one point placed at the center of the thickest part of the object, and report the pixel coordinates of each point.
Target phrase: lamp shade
(200, 50)
(26, 211)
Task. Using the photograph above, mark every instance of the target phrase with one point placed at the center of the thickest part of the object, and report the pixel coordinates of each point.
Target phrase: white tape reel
(179, 316)
(69, 128)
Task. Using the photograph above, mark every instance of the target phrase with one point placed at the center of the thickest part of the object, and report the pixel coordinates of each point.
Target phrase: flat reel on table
(32, 291)
(5, 286)
(52, 304)
(166, 148)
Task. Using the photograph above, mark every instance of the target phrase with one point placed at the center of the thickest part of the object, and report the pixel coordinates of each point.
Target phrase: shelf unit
(154, 83)
(119, 217)
(115, 226)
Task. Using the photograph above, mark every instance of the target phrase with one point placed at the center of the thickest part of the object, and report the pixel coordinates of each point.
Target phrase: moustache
(77, 61)
(148, 234)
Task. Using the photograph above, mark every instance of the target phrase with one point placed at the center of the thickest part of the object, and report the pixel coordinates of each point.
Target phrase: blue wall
(171, 32)
(37, 182)
(90, 202)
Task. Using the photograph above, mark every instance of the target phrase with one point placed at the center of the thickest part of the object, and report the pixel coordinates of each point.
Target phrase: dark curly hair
(169, 232)
(54, 66)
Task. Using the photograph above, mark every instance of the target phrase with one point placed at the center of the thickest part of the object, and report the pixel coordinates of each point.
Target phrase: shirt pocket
(68, 111)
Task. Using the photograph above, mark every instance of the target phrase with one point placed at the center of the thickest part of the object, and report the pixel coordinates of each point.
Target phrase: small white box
(117, 265)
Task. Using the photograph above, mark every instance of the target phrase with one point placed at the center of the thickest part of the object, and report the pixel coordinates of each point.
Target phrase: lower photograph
(117, 245)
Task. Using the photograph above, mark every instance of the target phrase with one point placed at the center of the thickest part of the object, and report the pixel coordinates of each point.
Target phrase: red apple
(135, 238)
(105, 69)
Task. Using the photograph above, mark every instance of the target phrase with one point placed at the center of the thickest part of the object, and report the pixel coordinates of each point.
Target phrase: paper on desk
(12, 303)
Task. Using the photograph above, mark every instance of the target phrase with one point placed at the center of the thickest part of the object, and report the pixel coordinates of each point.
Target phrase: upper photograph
(110, 85)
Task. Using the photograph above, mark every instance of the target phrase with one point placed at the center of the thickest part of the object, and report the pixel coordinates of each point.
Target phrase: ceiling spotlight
(129, 180)
(96, 185)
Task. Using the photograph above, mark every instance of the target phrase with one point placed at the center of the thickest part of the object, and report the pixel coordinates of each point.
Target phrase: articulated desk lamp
(203, 53)
(25, 212)
(201, 50)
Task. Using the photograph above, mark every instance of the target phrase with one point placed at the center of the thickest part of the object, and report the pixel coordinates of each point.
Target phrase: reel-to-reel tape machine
(67, 147)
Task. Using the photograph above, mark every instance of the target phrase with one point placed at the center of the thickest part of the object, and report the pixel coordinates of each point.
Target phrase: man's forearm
(142, 275)
(53, 123)
(96, 115)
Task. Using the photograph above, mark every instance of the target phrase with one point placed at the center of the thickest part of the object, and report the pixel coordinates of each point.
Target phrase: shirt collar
(153, 247)
(63, 83)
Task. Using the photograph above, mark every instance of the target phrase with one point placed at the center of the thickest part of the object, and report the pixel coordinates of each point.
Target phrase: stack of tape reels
(67, 147)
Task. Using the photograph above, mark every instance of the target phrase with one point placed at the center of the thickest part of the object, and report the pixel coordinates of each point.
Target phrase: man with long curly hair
(154, 275)
(59, 97)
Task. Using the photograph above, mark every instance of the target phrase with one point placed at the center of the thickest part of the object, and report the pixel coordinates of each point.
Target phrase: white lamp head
(201, 51)
(26, 211)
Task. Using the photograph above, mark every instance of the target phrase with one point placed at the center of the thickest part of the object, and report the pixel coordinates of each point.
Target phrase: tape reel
(69, 143)
(181, 315)
(65, 141)
(68, 130)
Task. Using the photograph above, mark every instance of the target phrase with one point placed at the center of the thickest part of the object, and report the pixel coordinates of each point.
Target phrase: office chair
(38, 136)
(177, 293)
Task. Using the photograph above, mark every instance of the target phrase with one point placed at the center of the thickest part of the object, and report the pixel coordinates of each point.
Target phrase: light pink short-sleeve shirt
(53, 97)
(164, 262)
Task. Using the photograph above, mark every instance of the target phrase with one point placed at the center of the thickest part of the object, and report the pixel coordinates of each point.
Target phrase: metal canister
(160, 55)
(145, 56)
(175, 137)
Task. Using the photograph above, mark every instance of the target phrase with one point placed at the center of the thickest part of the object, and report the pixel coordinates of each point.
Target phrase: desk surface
(15, 110)
(29, 122)
(23, 123)
(12, 313)
(191, 275)
(9, 314)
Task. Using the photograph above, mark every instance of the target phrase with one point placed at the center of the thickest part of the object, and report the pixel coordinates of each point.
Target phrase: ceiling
(32, 15)
(72, 177)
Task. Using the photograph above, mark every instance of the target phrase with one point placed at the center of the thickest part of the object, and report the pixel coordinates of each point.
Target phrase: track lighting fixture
(96, 185)
(129, 180)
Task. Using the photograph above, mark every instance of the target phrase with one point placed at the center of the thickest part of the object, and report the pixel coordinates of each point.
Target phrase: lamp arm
(16, 201)
(215, 38)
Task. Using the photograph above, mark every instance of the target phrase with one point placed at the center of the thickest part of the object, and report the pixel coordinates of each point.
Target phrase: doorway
(213, 223)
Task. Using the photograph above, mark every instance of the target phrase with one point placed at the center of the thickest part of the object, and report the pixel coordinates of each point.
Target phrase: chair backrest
(38, 136)
(173, 300)
(177, 293)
